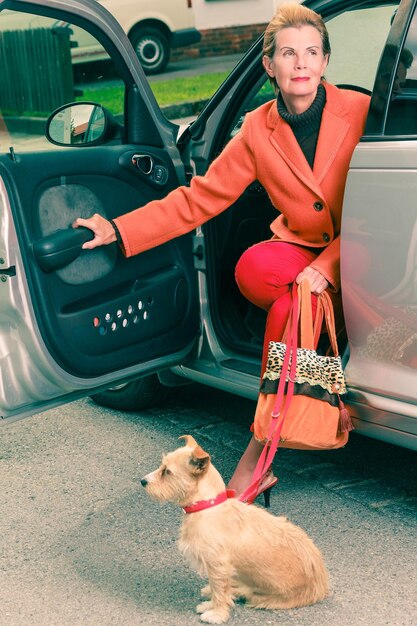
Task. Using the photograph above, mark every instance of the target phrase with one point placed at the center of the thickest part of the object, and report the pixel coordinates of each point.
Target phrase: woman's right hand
(317, 282)
(103, 231)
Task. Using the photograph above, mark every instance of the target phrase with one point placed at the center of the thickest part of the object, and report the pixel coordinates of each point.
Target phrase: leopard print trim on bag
(324, 371)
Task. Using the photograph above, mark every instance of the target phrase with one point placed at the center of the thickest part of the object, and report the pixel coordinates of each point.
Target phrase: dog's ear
(199, 460)
(189, 441)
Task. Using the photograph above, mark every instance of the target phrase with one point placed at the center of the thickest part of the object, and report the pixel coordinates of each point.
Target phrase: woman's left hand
(317, 282)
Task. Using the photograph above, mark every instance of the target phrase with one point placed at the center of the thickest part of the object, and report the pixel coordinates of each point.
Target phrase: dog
(245, 552)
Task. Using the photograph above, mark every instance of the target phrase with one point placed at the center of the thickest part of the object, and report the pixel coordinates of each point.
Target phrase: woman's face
(298, 65)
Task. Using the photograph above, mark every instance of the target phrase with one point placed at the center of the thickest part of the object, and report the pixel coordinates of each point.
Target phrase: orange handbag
(299, 404)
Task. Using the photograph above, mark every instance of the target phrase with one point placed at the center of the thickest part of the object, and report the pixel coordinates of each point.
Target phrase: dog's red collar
(207, 504)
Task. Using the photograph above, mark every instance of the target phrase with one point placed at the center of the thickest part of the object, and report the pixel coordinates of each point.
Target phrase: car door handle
(147, 166)
(60, 248)
(144, 163)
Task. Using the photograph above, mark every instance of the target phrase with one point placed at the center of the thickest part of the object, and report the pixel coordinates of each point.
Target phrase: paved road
(177, 69)
(194, 67)
(82, 545)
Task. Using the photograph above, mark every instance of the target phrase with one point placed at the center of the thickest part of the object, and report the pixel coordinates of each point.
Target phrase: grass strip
(167, 92)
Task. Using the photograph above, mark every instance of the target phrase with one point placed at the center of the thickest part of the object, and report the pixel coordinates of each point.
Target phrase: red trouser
(264, 275)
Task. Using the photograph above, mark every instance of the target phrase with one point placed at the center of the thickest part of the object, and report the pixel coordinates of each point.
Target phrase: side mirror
(82, 124)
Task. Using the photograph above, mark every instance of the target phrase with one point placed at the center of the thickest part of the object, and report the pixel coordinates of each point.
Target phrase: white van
(154, 28)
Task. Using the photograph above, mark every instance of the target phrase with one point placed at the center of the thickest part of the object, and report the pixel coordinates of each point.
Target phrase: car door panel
(379, 286)
(75, 320)
(102, 311)
(379, 243)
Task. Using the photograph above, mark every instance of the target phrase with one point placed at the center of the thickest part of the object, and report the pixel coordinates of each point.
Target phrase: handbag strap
(284, 394)
(326, 306)
(300, 311)
(310, 331)
(305, 316)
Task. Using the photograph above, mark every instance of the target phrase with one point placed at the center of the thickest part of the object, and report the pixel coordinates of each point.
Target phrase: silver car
(76, 323)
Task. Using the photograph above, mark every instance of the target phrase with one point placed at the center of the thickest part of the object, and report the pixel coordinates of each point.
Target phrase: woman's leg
(264, 274)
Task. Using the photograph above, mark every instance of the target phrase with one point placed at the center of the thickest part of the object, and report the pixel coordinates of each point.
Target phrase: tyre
(152, 48)
(136, 395)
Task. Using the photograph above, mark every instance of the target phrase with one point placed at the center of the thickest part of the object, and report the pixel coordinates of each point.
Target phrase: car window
(357, 39)
(45, 64)
(402, 112)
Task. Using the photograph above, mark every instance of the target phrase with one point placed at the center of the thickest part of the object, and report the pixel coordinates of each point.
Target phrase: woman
(299, 148)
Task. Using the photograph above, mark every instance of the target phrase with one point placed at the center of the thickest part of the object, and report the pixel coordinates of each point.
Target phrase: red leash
(285, 394)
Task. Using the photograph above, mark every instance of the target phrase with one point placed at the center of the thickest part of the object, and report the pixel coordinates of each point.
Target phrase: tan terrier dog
(244, 551)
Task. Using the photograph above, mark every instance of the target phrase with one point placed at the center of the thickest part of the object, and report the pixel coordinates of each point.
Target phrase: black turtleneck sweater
(306, 126)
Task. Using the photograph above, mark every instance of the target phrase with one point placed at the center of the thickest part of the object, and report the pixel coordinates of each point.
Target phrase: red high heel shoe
(251, 493)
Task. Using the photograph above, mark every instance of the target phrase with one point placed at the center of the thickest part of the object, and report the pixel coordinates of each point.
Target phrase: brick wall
(221, 41)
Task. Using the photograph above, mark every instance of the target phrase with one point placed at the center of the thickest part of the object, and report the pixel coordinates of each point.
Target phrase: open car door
(73, 321)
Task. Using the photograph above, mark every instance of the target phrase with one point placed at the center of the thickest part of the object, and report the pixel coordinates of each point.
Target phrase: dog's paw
(218, 616)
(204, 606)
(206, 592)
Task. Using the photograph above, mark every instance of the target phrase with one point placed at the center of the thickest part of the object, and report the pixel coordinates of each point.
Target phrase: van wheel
(152, 48)
(136, 395)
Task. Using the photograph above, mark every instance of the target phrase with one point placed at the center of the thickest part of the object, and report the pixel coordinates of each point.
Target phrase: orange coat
(309, 201)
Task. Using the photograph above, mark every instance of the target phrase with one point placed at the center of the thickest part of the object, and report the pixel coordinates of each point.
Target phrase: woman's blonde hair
(293, 16)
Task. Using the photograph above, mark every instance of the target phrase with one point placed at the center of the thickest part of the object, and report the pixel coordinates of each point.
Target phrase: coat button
(318, 206)
(326, 237)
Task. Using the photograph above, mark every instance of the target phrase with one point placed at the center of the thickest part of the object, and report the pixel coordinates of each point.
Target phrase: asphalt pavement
(82, 544)
(194, 67)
